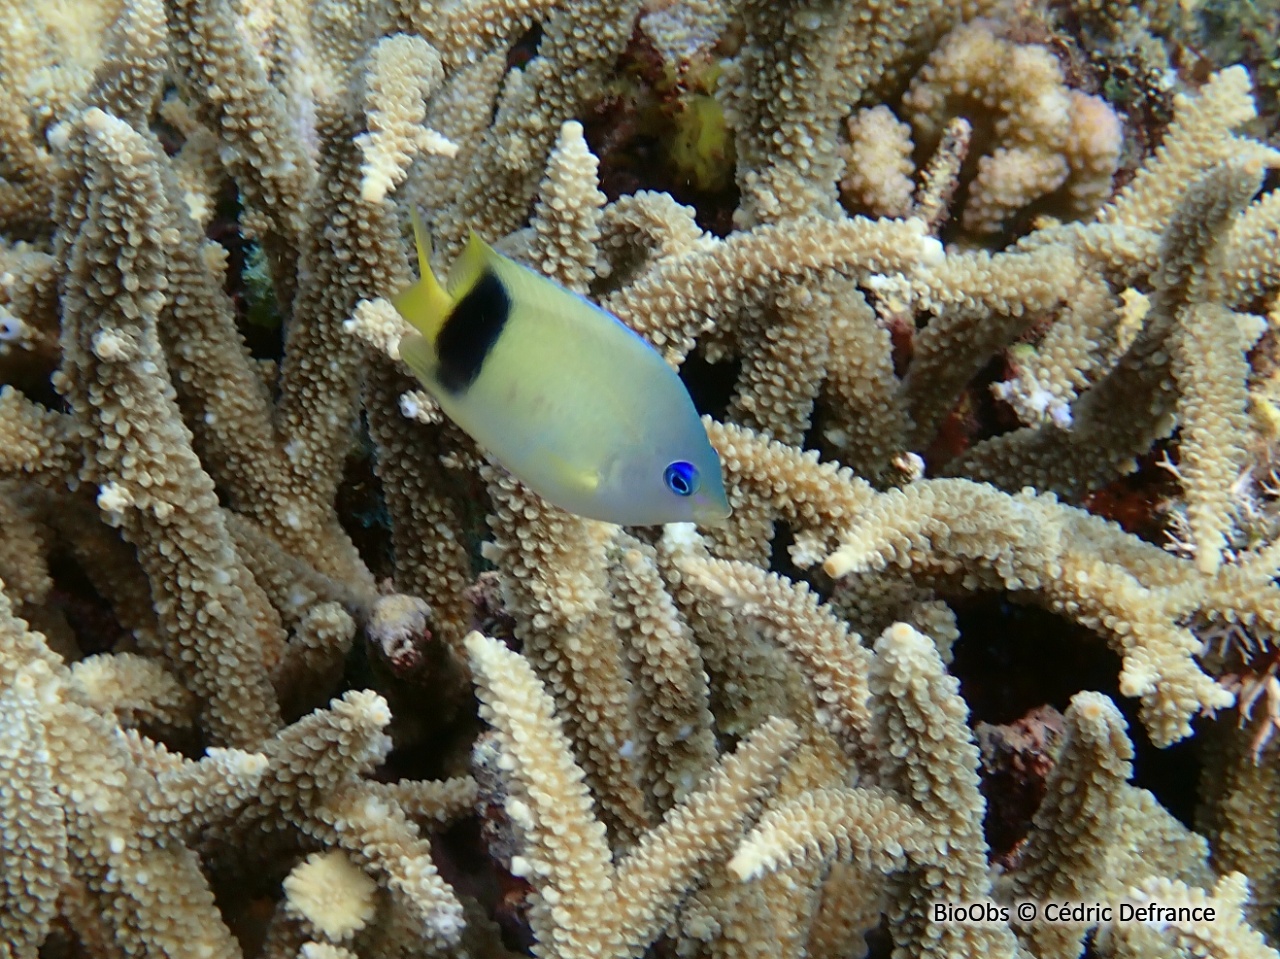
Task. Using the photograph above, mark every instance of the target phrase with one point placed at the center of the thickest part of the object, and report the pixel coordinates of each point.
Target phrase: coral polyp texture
(976, 301)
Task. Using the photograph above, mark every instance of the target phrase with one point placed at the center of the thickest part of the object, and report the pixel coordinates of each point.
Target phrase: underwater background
(978, 306)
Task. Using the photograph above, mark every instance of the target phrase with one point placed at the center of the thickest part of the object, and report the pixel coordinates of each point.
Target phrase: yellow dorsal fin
(425, 305)
(421, 240)
(466, 269)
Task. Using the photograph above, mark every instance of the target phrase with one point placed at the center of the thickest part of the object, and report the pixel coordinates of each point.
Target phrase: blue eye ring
(681, 478)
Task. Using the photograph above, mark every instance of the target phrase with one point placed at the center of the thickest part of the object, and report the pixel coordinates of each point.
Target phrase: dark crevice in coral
(977, 416)
(363, 511)
(710, 384)
(90, 617)
(525, 48)
(780, 557)
(1139, 501)
(1013, 660)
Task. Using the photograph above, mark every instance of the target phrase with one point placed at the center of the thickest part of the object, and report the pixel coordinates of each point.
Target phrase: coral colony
(975, 301)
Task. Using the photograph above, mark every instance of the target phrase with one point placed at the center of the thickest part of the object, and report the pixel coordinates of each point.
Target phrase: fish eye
(681, 478)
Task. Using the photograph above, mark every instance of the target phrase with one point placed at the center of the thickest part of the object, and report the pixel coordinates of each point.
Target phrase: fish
(565, 396)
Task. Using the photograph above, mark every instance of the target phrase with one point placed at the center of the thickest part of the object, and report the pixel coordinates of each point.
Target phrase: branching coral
(585, 905)
(230, 534)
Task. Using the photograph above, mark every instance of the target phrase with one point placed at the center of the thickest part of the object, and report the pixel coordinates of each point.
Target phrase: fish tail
(426, 304)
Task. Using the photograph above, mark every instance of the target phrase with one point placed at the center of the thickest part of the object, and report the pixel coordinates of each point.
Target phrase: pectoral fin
(419, 356)
(580, 478)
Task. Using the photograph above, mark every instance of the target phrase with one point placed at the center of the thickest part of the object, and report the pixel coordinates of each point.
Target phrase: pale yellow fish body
(561, 393)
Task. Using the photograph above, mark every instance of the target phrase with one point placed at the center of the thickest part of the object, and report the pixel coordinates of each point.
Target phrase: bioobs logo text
(1067, 912)
(970, 914)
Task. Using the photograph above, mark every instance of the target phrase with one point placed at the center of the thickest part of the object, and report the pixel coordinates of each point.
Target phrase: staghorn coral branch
(865, 825)
(429, 513)
(580, 42)
(680, 297)
(130, 87)
(1093, 826)
(749, 679)
(351, 251)
(403, 73)
(552, 567)
(150, 482)
(930, 758)
(565, 850)
(816, 498)
(566, 858)
(866, 422)
(313, 784)
(1034, 546)
(1209, 356)
(566, 216)
(37, 442)
(34, 832)
(699, 833)
(1227, 936)
(785, 118)
(122, 875)
(137, 690)
(1199, 138)
(833, 657)
(672, 703)
(228, 82)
